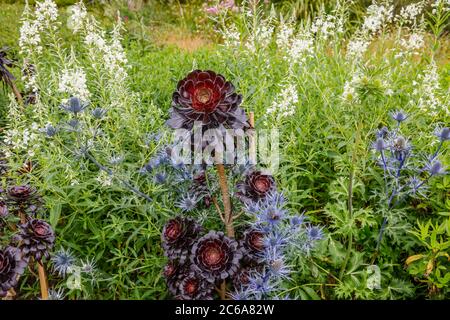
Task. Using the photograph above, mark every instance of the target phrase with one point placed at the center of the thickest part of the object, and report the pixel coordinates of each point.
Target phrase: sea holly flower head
(74, 105)
(443, 133)
(63, 262)
(399, 116)
(314, 233)
(379, 145)
(98, 113)
(435, 168)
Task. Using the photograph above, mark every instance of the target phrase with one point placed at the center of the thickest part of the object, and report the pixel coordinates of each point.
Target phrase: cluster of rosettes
(200, 261)
(34, 239)
(197, 261)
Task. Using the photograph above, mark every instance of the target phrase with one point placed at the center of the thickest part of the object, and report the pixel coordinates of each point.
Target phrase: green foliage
(326, 165)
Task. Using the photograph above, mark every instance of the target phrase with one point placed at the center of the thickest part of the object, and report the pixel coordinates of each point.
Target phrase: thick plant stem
(229, 228)
(223, 290)
(43, 281)
(17, 93)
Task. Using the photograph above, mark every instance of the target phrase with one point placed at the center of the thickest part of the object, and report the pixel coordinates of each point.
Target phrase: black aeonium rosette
(252, 244)
(11, 267)
(36, 238)
(21, 195)
(178, 236)
(215, 257)
(207, 97)
(6, 76)
(3, 209)
(192, 286)
(255, 186)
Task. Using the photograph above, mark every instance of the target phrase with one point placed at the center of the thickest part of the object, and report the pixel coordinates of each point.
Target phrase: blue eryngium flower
(443, 133)
(74, 105)
(382, 133)
(160, 178)
(56, 294)
(187, 203)
(98, 113)
(379, 145)
(435, 168)
(73, 123)
(399, 116)
(49, 130)
(314, 233)
(63, 260)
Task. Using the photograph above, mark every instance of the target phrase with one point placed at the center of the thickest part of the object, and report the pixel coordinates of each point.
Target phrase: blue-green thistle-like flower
(399, 116)
(89, 266)
(63, 261)
(98, 113)
(74, 105)
(73, 123)
(49, 130)
(240, 295)
(379, 145)
(435, 168)
(443, 133)
(56, 294)
(187, 203)
(314, 233)
(260, 285)
(160, 178)
(382, 133)
(279, 269)
(297, 221)
(116, 160)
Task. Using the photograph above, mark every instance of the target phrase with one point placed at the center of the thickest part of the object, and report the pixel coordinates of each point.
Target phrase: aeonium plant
(249, 258)
(25, 240)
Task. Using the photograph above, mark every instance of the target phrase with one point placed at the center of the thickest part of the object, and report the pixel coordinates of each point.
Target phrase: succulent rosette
(172, 272)
(178, 236)
(207, 97)
(193, 286)
(11, 267)
(252, 244)
(21, 195)
(242, 277)
(36, 239)
(3, 209)
(255, 186)
(216, 257)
